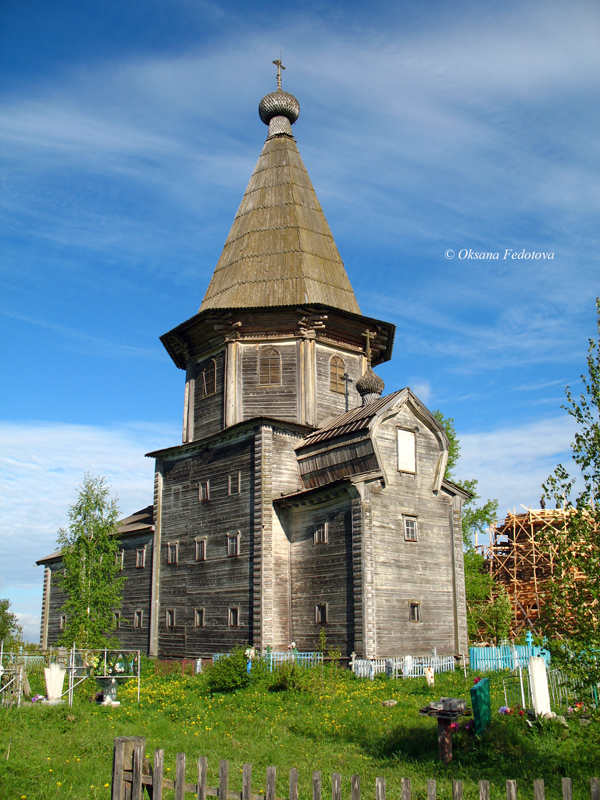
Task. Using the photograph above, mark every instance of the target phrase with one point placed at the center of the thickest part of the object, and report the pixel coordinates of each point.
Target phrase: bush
(229, 672)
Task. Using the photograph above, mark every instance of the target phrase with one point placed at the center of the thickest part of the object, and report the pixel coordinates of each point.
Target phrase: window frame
(62, 622)
(117, 615)
(172, 549)
(138, 618)
(414, 612)
(320, 538)
(170, 618)
(234, 483)
(273, 366)
(201, 548)
(142, 551)
(321, 613)
(337, 381)
(405, 467)
(204, 491)
(233, 612)
(120, 559)
(410, 518)
(199, 617)
(208, 388)
(233, 537)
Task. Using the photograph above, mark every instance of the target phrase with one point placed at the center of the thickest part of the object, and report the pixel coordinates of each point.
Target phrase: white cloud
(41, 467)
(511, 463)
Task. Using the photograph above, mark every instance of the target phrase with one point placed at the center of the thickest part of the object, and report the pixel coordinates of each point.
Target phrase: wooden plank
(293, 784)
(137, 764)
(157, 775)
(379, 788)
(336, 786)
(595, 788)
(405, 791)
(539, 792)
(180, 777)
(223, 779)
(355, 787)
(246, 782)
(271, 781)
(431, 789)
(202, 778)
(316, 786)
(118, 789)
(511, 790)
(457, 790)
(484, 790)
(567, 789)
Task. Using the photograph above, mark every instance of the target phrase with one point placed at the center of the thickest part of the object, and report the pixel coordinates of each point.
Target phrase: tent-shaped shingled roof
(280, 250)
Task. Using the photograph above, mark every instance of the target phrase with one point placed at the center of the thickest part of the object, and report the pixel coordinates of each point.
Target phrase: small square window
(199, 618)
(320, 535)
(414, 612)
(233, 544)
(138, 618)
(117, 619)
(204, 491)
(120, 559)
(410, 529)
(234, 483)
(140, 557)
(233, 617)
(172, 552)
(201, 549)
(170, 618)
(321, 613)
(62, 623)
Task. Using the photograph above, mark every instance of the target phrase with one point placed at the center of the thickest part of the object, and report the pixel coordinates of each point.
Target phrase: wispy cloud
(511, 463)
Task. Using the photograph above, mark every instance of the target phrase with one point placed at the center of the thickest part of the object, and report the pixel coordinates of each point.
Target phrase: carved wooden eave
(209, 330)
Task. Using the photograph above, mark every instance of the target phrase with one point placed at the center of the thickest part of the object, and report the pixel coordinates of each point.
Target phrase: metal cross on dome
(279, 66)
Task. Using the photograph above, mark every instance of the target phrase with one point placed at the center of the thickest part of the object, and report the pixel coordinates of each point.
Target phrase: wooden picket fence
(132, 771)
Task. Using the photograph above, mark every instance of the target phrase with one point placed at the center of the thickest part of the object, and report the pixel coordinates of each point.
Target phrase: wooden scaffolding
(519, 561)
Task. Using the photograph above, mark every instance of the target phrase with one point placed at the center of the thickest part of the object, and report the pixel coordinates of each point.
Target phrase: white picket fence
(401, 666)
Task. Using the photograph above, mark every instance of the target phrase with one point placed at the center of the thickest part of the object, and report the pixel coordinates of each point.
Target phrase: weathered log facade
(299, 498)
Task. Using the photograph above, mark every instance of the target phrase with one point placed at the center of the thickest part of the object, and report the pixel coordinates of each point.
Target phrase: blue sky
(128, 133)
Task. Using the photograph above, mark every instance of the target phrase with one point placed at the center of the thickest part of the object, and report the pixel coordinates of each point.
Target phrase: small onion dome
(279, 104)
(369, 386)
(279, 110)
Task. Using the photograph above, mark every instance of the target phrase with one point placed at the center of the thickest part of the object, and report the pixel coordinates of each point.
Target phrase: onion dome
(279, 110)
(369, 386)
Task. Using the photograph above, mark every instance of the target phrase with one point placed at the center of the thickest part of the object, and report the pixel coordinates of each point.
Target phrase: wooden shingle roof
(280, 250)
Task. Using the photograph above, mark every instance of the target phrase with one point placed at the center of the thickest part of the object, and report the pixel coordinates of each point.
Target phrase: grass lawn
(335, 723)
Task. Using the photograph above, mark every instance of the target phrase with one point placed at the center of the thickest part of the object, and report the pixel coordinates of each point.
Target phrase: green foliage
(322, 641)
(92, 582)
(489, 610)
(570, 619)
(11, 632)
(230, 672)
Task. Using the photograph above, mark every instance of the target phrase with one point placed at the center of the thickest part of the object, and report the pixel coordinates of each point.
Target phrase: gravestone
(539, 685)
(482, 705)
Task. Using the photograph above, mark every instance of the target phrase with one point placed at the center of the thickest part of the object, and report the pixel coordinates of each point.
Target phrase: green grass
(335, 724)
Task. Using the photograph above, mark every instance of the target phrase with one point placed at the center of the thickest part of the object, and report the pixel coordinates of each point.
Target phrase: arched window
(269, 367)
(337, 371)
(208, 378)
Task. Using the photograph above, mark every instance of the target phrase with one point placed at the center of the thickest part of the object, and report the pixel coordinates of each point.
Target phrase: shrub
(229, 672)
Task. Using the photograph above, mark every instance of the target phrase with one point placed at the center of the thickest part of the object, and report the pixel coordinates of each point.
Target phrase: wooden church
(300, 497)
